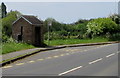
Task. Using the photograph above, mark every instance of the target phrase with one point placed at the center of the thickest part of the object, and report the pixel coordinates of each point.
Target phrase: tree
(56, 26)
(7, 22)
(3, 9)
(115, 18)
(80, 21)
(101, 26)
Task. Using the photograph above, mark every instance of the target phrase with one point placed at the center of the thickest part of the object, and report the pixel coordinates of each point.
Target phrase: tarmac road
(99, 60)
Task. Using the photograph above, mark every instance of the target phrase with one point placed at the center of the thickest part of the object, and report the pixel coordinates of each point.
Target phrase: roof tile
(32, 19)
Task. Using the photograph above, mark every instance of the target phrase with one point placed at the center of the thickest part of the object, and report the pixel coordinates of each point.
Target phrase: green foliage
(54, 25)
(4, 37)
(56, 35)
(114, 37)
(75, 41)
(81, 21)
(115, 18)
(81, 30)
(101, 26)
(13, 46)
(62, 31)
(7, 23)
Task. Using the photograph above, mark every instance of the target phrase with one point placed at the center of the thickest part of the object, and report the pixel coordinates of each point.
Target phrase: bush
(101, 26)
(115, 37)
(53, 35)
(4, 38)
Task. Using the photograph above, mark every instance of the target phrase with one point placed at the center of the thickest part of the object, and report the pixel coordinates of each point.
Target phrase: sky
(60, 0)
(64, 12)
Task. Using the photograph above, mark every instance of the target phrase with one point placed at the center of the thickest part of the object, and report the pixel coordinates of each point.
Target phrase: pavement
(17, 53)
(97, 60)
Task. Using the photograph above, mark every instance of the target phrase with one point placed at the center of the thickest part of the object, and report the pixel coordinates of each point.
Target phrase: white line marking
(67, 54)
(55, 56)
(70, 70)
(48, 57)
(110, 55)
(62, 55)
(6, 66)
(20, 64)
(118, 52)
(67, 50)
(85, 50)
(95, 61)
(31, 61)
(40, 59)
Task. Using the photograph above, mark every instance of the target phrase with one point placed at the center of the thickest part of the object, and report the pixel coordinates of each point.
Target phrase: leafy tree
(55, 26)
(81, 30)
(115, 18)
(101, 26)
(7, 22)
(80, 21)
(3, 9)
(46, 22)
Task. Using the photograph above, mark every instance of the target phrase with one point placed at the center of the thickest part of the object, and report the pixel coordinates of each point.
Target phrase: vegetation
(63, 31)
(81, 31)
(101, 26)
(115, 18)
(75, 41)
(7, 24)
(8, 44)
(13, 46)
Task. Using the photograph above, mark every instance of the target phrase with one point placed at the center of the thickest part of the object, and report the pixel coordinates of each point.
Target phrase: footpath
(14, 56)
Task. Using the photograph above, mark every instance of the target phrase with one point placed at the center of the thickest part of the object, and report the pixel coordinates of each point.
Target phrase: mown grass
(12, 46)
(74, 41)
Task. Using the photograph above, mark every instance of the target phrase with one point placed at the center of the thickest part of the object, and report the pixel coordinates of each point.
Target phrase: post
(49, 24)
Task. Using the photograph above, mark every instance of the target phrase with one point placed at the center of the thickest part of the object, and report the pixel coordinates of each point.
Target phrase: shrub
(115, 37)
(101, 26)
(54, 35)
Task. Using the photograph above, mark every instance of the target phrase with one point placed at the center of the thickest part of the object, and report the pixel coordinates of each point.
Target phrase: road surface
(99, 60)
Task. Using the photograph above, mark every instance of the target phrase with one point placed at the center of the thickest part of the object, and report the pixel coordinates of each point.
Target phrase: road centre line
(110, 55)
(70, 71)
(95, 61)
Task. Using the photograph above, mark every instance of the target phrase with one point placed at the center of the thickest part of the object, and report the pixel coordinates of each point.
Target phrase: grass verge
(75, 41)
(12, 46)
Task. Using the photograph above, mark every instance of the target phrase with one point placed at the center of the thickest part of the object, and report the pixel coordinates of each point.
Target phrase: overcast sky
(66, 12)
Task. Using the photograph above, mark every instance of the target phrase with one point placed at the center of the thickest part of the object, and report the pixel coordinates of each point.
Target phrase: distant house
(28, 29)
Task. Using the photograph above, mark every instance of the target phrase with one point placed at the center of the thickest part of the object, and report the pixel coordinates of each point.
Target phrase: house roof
(30, 19)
